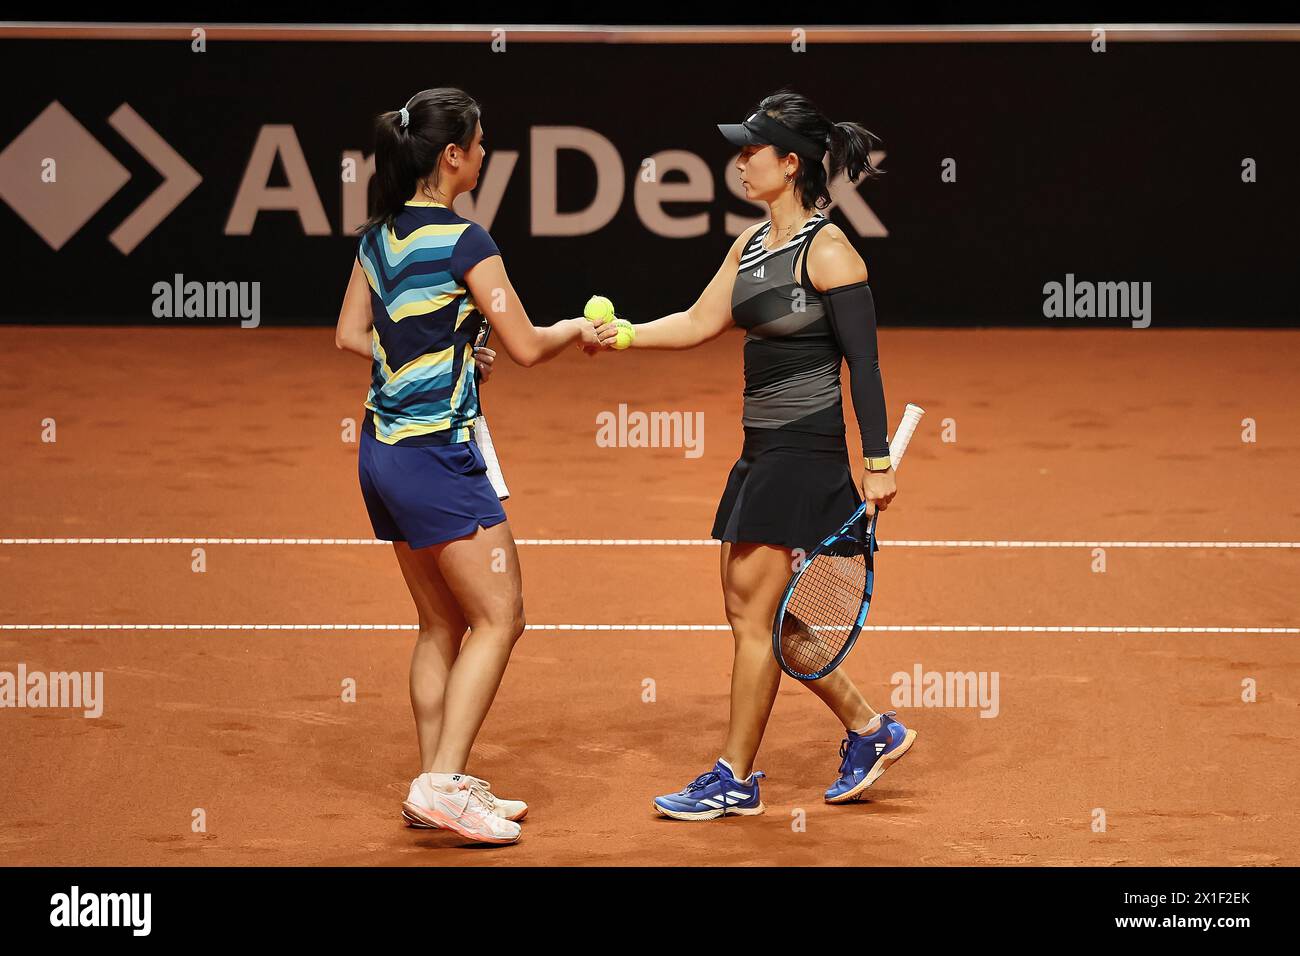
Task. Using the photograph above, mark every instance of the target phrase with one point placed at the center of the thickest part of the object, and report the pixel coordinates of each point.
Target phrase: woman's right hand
(878, 490)
(588, 340)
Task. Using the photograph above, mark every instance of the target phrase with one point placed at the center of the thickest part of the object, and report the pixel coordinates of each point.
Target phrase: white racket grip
(898, 444)
(484, 439)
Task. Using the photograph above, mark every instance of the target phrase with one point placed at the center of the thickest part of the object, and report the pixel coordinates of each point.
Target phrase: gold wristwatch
(878, 464)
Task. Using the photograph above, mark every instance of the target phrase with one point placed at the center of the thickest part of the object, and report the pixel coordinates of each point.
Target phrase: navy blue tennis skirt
(426, 494)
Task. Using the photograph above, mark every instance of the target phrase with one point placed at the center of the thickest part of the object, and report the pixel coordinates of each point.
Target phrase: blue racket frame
(845, 533)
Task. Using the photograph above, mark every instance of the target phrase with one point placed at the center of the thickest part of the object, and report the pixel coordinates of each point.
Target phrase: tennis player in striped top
(413, 306)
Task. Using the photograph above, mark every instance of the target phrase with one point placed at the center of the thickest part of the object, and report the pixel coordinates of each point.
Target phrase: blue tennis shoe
(712, 795)
(866, 756)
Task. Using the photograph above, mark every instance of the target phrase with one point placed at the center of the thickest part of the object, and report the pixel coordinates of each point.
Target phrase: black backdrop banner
(1153, 180)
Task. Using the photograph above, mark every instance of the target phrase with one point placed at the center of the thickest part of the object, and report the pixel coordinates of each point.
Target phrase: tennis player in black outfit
(799, 289)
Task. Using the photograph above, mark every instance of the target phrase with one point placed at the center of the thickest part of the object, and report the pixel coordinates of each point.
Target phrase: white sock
(872, 726)
(446, 782)
(723, 761)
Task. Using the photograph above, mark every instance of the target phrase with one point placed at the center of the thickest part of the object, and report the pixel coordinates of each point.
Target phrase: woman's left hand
(878, 490)
(483, 358)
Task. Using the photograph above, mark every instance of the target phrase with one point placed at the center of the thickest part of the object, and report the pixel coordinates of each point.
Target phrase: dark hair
(404, 155)
(849, 144)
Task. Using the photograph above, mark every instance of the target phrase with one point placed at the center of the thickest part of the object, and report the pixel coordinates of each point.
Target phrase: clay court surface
(1064, 435)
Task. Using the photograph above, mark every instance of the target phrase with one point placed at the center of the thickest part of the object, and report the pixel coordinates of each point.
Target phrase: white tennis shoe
(514, 810)
(464, 804)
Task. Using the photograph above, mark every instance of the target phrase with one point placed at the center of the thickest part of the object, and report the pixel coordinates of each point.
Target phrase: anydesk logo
(55, 175)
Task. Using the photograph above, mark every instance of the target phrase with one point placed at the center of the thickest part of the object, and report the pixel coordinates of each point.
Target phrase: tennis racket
(825, 604)
(483, 436)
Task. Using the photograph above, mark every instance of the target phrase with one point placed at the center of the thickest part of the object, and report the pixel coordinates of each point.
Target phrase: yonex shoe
(865, 757)
(514, 810)
(457, 802)
(712, 795)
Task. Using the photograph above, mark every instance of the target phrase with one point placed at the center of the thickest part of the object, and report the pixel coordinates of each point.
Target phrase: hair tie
(406, 116)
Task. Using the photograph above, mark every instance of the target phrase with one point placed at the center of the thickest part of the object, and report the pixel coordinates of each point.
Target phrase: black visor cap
(762, 130)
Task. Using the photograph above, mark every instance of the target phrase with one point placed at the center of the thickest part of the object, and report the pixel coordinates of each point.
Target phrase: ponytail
(409, 143)
(850, 149)
(848, 144)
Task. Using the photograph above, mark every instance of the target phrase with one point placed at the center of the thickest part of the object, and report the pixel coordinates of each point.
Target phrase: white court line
(910, 628)
(675, 542)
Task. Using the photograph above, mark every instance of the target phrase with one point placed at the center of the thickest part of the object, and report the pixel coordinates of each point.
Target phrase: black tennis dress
(792, 485)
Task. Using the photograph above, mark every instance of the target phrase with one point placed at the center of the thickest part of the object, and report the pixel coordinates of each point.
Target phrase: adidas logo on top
(758, 273)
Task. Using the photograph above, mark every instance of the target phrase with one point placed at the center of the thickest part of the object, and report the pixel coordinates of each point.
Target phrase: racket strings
(822, 612)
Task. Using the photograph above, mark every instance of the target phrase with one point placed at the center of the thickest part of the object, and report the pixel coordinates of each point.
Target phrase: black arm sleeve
(852, 315)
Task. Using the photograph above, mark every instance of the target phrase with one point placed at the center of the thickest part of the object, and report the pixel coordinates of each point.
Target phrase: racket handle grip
(898, 444)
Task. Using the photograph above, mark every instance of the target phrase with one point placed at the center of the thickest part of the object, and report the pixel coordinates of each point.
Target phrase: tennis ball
(599, 310)
(626, 334)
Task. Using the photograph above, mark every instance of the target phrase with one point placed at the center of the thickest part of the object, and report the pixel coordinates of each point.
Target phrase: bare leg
(482, 572)
(442, 625)
(841, 695)
(753, 576)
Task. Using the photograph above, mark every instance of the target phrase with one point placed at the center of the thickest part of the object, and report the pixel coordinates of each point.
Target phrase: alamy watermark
(208, 300)
(946, 689)
(1098, 300)
(75, 908)
(624, 429)
(78, 690)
